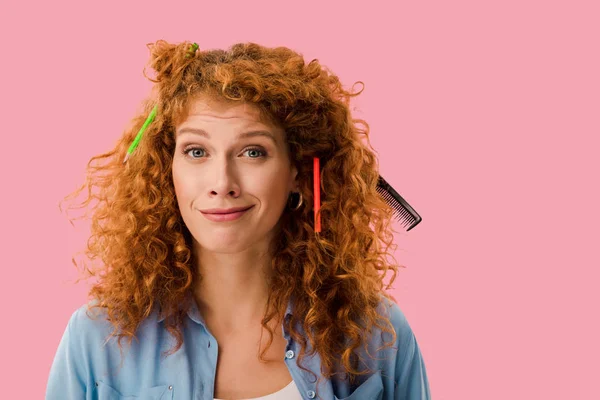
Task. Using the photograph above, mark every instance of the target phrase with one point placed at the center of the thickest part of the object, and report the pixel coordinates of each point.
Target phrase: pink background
(485, 117)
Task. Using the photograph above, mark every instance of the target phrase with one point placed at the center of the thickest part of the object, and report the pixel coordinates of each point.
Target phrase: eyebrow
(254, 133)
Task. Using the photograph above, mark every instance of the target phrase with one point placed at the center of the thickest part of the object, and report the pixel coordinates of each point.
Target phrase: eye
(259, 150)
(189, 149)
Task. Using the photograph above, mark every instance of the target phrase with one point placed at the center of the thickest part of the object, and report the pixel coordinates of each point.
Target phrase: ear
(294, 179)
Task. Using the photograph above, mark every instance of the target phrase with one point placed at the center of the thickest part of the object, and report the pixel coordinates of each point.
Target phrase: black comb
(403, 212)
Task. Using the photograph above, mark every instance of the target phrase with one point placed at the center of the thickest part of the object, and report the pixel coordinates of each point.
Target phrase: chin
(225, 243)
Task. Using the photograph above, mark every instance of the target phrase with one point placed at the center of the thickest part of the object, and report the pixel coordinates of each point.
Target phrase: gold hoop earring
(299, 202)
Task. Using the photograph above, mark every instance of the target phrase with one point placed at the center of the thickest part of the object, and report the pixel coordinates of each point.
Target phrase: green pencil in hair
(140, 133)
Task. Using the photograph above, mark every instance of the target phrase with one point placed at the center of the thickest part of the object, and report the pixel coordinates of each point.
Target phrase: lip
(224, 217)
(224, 210)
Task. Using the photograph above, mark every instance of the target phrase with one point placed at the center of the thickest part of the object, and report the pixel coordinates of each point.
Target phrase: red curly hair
(335, 277)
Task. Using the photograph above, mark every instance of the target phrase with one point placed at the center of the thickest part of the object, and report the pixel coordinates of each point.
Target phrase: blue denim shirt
(87, 366)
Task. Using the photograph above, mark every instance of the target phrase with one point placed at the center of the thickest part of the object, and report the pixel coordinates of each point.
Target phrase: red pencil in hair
(317, 192)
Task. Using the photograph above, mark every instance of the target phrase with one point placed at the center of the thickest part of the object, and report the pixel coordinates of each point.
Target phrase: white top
(290, 392)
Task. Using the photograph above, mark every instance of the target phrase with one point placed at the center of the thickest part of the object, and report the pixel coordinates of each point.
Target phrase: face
(227, 156)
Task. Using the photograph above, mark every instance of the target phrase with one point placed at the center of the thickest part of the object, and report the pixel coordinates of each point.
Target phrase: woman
(207, 241)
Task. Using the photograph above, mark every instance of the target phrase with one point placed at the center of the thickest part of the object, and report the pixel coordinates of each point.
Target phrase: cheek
(176, 180)
(271, 186)
(182, 182)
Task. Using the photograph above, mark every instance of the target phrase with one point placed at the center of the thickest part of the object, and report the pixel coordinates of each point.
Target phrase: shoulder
(380, 340)
(88, 322)
(405, 358)
(406, 344)
(92, 320)
(89, 351)
(392, 311)
(94, 340)
(392, 353)
(73, 368)
(88, 317)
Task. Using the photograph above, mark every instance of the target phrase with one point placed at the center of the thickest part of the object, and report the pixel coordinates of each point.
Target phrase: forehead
(213, 108)
(205, 110)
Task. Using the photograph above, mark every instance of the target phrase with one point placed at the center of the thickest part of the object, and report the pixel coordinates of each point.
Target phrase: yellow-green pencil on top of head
(136, 141)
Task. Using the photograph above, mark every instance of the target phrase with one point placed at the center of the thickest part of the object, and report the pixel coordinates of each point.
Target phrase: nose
(225, 180)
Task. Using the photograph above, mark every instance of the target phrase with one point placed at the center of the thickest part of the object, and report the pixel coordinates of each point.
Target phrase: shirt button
(311, 394)
(170, 387)
(289, 354)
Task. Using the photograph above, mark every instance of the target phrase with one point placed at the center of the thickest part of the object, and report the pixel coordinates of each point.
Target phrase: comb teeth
(403, 212)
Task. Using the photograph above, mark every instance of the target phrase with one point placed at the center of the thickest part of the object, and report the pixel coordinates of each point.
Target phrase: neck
(232, 292)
